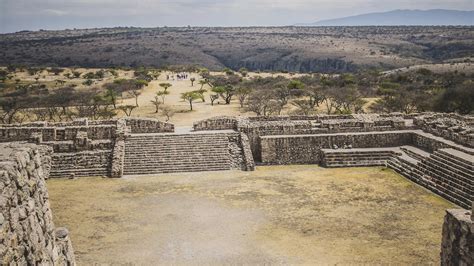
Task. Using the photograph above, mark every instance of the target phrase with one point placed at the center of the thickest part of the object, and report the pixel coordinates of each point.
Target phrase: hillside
(294, 49)
(434, 17)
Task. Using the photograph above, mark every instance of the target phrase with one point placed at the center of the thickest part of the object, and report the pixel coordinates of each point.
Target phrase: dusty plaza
(274, 215)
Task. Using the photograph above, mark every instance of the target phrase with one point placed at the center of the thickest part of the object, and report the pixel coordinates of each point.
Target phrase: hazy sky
(18, 15)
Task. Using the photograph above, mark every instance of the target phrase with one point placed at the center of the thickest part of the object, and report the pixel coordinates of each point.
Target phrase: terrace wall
(305, 149)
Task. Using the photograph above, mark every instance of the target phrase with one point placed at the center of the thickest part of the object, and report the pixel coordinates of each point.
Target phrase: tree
(165, 86)
(168, 112)
(459, 99)
(135, 93)
(156, 102)
(228, 71)
(59, 82)
(225, 92)
(263, 103)
(163, 95)
(243, 71)
(201, 94)
(304, 106)
(88, 82)
(76, 74)
(127, 109)
(242, 94)
(315, 95)
(190, 96)
(396, 98)
(111, 95)
(213, 98)
(192, 81)
(203, 82)
(347, 100)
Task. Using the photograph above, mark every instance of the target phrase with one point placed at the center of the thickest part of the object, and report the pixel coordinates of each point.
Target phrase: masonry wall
(81, 164)
(28, 235)
(457, 246)
(148, 125)
(216, 123)
(305, 149)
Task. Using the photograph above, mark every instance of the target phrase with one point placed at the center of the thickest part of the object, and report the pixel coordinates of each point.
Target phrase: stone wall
(28, 235)
(457, 246)
(96, 132)
(305, 149)
(81, 164)
(457, 128)
(148, 125)
(240, 153)
(84, 147)
(216, 123)
(248, 163)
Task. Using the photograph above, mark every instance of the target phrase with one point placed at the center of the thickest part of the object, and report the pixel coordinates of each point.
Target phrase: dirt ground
(275, 215)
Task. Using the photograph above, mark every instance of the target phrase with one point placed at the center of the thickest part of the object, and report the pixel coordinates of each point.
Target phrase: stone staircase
(80, 164)
(357, 157)
(171, 153)
(447, 172)
(452, 174)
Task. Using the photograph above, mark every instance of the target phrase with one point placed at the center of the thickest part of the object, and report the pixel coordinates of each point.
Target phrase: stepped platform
(81, 164)
(357, 157)
(177, 152)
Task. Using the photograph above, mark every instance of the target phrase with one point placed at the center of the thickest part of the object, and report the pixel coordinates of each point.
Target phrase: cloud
(55, 12)
(58, 14)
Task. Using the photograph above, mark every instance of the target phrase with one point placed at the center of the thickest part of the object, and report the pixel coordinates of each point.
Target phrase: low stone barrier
(216, 123)
(148, 125)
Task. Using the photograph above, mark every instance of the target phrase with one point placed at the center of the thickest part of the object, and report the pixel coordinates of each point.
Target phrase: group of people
(179, 76)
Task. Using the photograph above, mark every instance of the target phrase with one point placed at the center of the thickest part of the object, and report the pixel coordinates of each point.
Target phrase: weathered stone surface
(27, 235)
(457, 246)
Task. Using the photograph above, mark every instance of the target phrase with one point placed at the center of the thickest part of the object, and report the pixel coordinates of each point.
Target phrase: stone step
(174, 163)
(447, 193)
(437, 164)
(445, 174)
(172, 170)
(176, 153)
(454, 160)
(463, 157)
(169, 150)
(442, 177)
(415, 153)
(66, 173)
(355, 163)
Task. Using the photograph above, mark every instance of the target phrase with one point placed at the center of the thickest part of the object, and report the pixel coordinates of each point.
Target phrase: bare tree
(127, 109)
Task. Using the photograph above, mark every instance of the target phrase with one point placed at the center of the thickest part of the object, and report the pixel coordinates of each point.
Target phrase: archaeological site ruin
(433, 150)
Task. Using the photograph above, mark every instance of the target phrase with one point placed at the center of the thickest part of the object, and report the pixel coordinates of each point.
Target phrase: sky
(17, 15)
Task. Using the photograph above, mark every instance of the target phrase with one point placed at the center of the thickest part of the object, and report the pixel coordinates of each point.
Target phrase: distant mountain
(432, 17)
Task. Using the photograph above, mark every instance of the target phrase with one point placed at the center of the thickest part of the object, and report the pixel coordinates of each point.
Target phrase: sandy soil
(182, 116)
(275, 215)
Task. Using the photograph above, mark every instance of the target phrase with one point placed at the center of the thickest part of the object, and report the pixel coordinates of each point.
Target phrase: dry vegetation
(59, 94)
(299, 49)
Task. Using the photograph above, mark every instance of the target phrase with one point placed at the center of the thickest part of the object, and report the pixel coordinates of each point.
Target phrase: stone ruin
(28, 235)
(433, 150)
